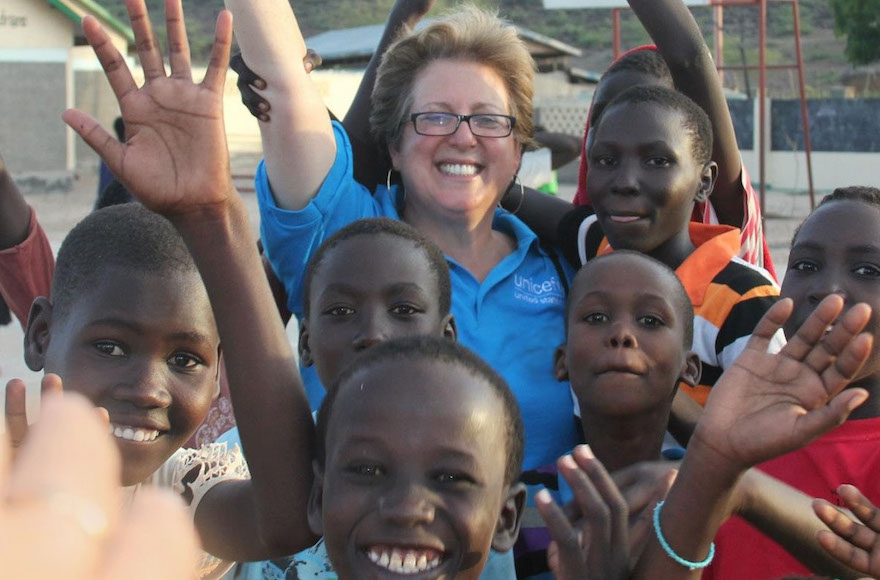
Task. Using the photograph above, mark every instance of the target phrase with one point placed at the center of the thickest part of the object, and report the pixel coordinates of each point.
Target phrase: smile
(624, 219)
(129, 433)
(458, 168)
(404, 560)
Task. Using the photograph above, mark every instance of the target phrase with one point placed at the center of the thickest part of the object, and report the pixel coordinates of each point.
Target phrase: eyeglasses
(481, 125)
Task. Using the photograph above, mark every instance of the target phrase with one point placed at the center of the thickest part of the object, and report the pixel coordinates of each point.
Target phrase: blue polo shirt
(514, 318)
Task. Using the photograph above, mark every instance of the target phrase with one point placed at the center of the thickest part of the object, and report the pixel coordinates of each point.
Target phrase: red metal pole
(719, 40)
(804, 111)
(762, 102)
(615, 16)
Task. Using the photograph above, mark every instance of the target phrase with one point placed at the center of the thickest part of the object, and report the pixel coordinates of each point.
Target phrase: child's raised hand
(854, 544)
(592, 542)
(61, 515)
(765, 405)
(175, 158)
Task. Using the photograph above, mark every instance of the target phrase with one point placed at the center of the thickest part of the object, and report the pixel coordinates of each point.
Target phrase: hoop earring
(388, 186)
(522, 194)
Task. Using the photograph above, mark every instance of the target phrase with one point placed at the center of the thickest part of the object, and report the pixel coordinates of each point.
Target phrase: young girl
(679, 42)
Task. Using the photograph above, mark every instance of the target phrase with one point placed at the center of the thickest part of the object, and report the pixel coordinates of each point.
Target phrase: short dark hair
(696, 122)
(128, 236)
(647, 61)
(859, 193)
(392, 227)
(684, 308)
(433, 349)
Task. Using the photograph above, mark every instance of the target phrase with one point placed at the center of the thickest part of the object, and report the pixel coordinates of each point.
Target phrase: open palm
(766, 404)
(175, 158)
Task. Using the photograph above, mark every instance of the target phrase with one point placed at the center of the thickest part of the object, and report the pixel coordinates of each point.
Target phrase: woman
(452, 103)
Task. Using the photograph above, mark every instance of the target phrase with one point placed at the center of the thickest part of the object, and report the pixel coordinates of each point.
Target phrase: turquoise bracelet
(671, 553)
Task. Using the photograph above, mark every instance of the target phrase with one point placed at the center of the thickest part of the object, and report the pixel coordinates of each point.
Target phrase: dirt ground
(59, 212)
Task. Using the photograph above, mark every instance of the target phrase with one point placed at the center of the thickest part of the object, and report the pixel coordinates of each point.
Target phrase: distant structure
(43, 58)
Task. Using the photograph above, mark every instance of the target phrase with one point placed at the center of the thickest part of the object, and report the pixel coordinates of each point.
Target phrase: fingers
(848, 541)
(813, 329)
(860, 506)
(102, 142)
(147, 47)
(51, 385)
(16, 412)
(178, 43)
(113, 63)
(215, 77)
(772, 321)
(65, 478)
(566, 554)
(244, 72)
(311, 61)
(834, 343)
(608, 493)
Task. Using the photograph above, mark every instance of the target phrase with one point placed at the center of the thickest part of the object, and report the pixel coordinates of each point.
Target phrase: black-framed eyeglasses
(481, 124)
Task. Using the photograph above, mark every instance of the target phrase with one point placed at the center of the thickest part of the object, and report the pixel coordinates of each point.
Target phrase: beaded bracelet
(671, 553)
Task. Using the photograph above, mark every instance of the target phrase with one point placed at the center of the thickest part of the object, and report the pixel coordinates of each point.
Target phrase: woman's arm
(298, 143)
(675, 32)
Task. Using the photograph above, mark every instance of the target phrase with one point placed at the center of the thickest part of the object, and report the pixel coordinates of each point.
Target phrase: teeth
(403, 561)
(624, 218)
(133, 433)
(458, 169)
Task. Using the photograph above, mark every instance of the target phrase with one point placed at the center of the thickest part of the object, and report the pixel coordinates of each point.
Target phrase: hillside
(590, 30)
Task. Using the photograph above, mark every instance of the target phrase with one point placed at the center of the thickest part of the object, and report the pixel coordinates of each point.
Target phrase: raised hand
(765, 405)
(175, 158)
(592, 541)
(853, 540)
(61, 514)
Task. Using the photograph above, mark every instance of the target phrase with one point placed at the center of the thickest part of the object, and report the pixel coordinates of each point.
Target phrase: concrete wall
(33, 24)
(32, 136)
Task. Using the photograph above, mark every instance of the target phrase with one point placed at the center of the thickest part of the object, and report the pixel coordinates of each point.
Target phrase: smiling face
(625, 351)
(409, 486)
(394, 294)
(644, 178)
(837, 251)
(457, 176)
(143, 346)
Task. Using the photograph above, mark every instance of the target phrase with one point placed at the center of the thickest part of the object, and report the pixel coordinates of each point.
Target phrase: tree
(859, 21)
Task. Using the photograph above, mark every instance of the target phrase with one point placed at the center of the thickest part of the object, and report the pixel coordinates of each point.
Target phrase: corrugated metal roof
(356, 45)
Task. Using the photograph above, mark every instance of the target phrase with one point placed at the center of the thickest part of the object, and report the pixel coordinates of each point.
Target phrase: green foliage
(859, 21)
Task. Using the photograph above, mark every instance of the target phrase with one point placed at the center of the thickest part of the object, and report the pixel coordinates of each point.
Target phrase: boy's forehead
(609, 272)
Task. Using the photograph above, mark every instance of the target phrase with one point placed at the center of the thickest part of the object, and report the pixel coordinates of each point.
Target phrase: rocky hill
(590, 30)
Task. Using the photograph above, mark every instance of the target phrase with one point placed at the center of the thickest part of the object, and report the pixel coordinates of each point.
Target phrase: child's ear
(507, 528)
(305, 351)
(36, 335)
(316, 501)
(707, 181)
(450, 330)
(691, 369)
(560, 365)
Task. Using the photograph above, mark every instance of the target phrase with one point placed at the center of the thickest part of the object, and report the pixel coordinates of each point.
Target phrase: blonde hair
(470, 34)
